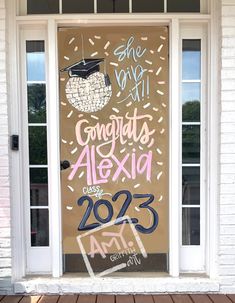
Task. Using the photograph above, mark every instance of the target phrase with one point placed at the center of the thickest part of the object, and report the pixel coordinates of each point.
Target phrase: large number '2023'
(149, 198)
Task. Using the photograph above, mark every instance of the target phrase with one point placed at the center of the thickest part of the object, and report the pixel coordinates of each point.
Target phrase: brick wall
(227, 149)
(5, 231)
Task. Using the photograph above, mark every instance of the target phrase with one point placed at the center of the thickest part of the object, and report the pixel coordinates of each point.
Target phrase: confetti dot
(70, 188)
(144, 38)
(160, 92)
(159, 151)
(62, 79)
(76, 48)
(94, 117)
(137, 185)
(70, 114)
(160, 48)
(146, 105)
(151, 51)
(160, 120)
(107, 45)
(160, 163)
(115, 110)
(106, 54)
(91, 41)
(64, 141)
(97, 37)
(149, 62)
(71, 143)
(155, 109)
(71, 40)
(81, 175)
(140, 147)
(69, 207)
(74, 150)
(137, 209)
(94, 54)
(159, 175)
(163, 38)
(160, 199)
(158, 71)
(66, 58)
(162, 58)
(113, 63)
(118, 94)
(62, 103)
(162, 131)
(128, 104)
(161, 82)
(163, 104)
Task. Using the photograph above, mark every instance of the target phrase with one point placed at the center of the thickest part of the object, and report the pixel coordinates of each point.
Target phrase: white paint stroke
(123, 179)
(144, 38)
(160, 199)
(69, 207)
(137, 185)
(118, 94)
(76, 48)
(160, 120)
(151, 51)
(162, 58)
(159, 151)
(106, 54)
(70, 114)
(94, 54)
(163, 38)
(122, 150)
(149, 62)
(150, 71)
(160, 163)
(74, 150)
(62, 79)
(137, 209)
(155, 109)
(159, 175)
(63, 103)
(71, 40)
(160, 92)
(80, 116)
(140, 147)
(71, 143)
(147, 105)
(162, 131)
(107, 45)
(163, 104)
(64, 141)
(91, 41)
(160, 48)
(128, 104)
(161, 82)
(130, 143)
(70, 188)
(81, 175)
(113, 63)
(97, 37)
(66, 58)
(94, 117)
(158, 71)
(115, 110)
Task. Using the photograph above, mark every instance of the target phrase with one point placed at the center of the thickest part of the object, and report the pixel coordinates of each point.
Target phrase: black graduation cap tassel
(107, 80)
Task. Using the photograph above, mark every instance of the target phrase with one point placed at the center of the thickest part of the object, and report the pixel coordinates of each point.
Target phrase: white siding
(227, 150)
(5, 222)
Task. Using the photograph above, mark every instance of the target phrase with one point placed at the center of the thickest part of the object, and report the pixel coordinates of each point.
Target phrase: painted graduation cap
(84, 68)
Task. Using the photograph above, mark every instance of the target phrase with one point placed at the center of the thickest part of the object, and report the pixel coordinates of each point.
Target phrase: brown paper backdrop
(155, 61)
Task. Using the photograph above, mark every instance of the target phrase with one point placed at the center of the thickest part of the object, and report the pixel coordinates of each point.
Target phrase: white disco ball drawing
(88, 95)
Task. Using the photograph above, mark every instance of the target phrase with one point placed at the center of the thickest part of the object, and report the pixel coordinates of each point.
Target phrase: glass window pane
(191, 226)
(191, 68)
(113, 6)
(79, 6)
(37, 103)
(35, 60)
(191, 144)
(43, 7)
(191, 186)
(191, 97)
(38, 187)
(39, 227)
(37, 145)
(144, 6)
(192, 6)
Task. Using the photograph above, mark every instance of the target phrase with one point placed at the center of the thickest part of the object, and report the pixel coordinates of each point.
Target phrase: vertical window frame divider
(174, 157)
(194, 31)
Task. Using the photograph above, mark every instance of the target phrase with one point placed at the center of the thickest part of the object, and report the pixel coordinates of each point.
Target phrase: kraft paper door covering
(114, 129)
